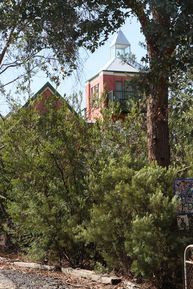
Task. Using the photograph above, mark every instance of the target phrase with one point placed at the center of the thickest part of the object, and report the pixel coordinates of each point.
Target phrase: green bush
(133, 221)
(86, 194)
(45, 162)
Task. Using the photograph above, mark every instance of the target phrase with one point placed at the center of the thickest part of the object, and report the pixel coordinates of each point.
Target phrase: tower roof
(118, 65)
(120, 40)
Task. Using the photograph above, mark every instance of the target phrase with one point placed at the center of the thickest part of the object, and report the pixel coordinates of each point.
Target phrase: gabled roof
(118, 65)
(48, 86)
(120, 40)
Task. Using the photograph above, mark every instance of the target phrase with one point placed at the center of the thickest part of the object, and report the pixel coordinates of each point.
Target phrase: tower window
(94, 96)
(118, 90)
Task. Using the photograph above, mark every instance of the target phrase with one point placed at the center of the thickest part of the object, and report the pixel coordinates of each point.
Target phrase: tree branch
(10, 66)
(11, 81)
(60, 170)
(2, 54)
(139, 10)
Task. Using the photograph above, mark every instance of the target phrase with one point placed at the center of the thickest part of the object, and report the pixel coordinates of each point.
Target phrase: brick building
(113, 82)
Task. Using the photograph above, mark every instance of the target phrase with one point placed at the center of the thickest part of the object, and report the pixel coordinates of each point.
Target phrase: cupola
(120, 46)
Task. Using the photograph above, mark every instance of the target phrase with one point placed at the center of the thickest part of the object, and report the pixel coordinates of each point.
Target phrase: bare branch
(22, 75)
(7, 45)
(11, 66)
(11, 81)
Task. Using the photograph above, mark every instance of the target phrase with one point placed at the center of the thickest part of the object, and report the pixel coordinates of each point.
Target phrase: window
(120, 52)
(94, 96)
(129, 89)
(118, 90)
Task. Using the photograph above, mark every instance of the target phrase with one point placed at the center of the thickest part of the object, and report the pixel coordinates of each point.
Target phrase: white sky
(91, 64)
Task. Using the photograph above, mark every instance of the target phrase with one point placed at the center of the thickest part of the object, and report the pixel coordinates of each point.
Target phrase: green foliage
(115, 138)
(133, 221)
(165, 24)
(181, 118)
(167, 28)
(4, 182)
(29, 29)
(99, 268)
(28, 39)
(86, 194)
(46, 162)
(68, 187)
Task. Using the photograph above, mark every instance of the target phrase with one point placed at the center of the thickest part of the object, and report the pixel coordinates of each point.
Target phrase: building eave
(95, 76)
(125, 72)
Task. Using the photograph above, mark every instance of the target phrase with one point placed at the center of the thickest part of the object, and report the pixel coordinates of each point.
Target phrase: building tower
(113, 80)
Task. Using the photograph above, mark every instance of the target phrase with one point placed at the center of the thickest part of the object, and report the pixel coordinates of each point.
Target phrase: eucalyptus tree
(37, 34)
(168, 28)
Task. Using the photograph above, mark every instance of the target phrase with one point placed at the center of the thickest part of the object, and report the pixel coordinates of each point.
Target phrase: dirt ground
(66, 281)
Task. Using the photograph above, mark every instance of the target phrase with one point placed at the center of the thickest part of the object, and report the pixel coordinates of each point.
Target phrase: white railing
(188, 267)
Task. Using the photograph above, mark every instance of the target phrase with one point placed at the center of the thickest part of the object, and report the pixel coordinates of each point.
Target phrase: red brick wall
(40, 104)
(106, 83)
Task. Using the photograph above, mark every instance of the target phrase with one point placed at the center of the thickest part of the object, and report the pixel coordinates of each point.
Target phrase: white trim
(47, 88)
(118, 73)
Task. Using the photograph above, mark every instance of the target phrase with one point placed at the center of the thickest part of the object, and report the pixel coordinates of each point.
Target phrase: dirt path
(6, 283)
(13, 279)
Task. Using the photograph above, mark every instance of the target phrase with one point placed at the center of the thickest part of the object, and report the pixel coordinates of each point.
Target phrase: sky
(90, 64)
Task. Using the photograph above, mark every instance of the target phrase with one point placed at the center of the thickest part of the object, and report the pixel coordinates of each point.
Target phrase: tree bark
(157, 122)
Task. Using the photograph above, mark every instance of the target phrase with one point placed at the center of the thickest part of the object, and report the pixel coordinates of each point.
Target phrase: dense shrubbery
(133, 220)
(86, 193)
(45, 159)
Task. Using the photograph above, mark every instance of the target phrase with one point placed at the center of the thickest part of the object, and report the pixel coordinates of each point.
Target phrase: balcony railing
(121, 99)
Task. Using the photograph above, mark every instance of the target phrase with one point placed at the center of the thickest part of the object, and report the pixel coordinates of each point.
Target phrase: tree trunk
(157, 122)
